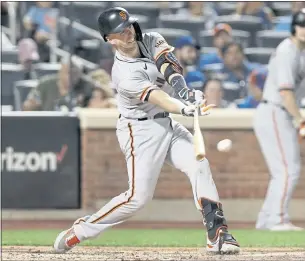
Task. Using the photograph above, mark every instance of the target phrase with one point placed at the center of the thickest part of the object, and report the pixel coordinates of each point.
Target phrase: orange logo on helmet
(123, 15)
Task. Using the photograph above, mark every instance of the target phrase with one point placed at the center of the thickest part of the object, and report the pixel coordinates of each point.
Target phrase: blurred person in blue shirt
(235, 72)
(187, 53)
(41, 17)
(222, 36)
(284, 22)
(39, 22)
(195, 80)
(256, 82)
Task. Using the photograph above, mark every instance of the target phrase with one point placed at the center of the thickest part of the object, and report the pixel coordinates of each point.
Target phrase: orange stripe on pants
(132, 181)
(277, 134)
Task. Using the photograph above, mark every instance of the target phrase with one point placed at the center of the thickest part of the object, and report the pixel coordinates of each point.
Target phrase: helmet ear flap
(138, 31)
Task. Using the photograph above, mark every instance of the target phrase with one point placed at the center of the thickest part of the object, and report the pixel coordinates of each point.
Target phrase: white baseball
(224, 145)
(302, 132)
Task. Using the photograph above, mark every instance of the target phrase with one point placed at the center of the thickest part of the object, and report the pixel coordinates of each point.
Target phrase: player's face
(233, 58)
(213, 92)
(188, 55)
(222, 39)
(300, 33)
(124, 39)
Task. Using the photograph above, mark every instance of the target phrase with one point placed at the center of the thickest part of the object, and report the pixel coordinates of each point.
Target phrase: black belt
(278, 105)
(157, 116)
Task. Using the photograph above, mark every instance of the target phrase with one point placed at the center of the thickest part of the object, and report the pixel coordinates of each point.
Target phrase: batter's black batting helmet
(115, 20)
(298, 19)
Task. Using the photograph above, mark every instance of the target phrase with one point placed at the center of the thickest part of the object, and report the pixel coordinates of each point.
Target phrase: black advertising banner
(40, 162)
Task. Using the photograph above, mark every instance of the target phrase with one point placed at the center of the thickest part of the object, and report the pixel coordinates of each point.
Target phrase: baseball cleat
(65, 241)
(225, 244)
(286, 227)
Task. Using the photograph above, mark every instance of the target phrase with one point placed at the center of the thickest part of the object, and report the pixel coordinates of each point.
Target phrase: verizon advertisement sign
(31, 162)
(40, 162)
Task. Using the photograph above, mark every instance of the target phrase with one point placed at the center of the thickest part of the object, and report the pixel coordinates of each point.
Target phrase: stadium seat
(192, 25)
(247, 23)
(88, 12)
(90, 50)
(43, 69)
(170, 34)
(259, 55)
(21, 91)
(148, 9)
(226, 8)
(9, 56)
(270, 38)
(143, 20)
(9, 74)
(242, 37)
(282, 8)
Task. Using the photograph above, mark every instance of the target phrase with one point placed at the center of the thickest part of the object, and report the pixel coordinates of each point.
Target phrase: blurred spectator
(186, 51)
(284, 22)
(235, 72)
(258, 9)
(40, 21)
(213, 93)
(199, 10)
(65, 90)
(103, 95)
(99, 99)
(222, 36)
(27, 55)
(195, 80)
(256, 84)
(101, 78)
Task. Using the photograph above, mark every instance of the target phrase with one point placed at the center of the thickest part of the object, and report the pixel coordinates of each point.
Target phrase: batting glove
(202, 107)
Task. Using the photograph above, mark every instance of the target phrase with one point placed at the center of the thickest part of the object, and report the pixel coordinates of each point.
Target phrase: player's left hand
(205, 109)
(202, 108)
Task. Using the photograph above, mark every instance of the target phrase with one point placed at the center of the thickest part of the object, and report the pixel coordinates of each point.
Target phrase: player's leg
(278, 141)
(181, 155)
(145, 146)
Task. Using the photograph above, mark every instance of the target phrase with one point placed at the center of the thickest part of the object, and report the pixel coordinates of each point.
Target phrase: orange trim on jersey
(144, 93)
(284, 161)
(169, 49)
(132, 179)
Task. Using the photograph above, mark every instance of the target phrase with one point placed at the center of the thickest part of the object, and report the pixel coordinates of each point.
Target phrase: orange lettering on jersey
(160, 42)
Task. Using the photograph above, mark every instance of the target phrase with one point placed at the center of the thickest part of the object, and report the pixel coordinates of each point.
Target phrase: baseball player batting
(278, 123)
(150, 85)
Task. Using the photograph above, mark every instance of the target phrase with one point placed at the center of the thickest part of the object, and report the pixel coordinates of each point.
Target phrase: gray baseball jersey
(276, 134)
(147, 144)
(133, 78)
(286, 69)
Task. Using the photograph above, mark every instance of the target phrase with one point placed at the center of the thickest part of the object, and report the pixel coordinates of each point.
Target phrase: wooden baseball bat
(198, 138)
